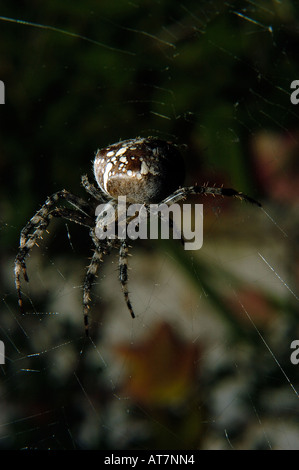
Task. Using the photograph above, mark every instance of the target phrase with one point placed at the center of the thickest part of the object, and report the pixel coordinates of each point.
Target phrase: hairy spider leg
(92, 272)
(182, 193)
(123, 274)
(73, 216)
(90, 277)
(39, 222)
(91, 189)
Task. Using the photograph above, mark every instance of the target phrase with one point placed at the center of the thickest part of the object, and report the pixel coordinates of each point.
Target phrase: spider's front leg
(91, 189)
(34, 229)
(182, 193)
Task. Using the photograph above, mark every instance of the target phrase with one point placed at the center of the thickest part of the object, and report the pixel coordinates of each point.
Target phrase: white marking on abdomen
(106, 174)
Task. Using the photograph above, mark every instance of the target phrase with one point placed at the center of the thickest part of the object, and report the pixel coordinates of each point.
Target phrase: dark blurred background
(206, 363)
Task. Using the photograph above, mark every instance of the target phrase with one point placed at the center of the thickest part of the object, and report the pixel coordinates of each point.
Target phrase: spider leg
(39, 222)
(91, 189)
(20, 267)
(25, 246)
(89, 280)
(123, 274)
(182, 193)
(41, 216)
(73, 216)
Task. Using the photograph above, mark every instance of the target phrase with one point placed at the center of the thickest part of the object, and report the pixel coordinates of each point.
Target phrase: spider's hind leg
(123, 274)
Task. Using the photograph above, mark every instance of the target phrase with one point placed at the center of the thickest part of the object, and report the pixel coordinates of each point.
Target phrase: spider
(145, 170)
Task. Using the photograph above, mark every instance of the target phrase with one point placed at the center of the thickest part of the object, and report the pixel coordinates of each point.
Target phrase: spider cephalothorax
(145, 171)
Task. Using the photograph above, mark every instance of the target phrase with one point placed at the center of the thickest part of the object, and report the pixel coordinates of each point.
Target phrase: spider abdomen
(145, 170)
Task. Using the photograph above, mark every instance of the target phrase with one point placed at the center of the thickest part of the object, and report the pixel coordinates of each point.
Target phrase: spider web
(206, 364)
